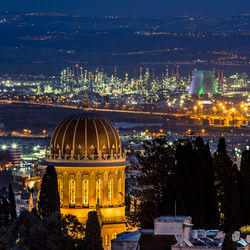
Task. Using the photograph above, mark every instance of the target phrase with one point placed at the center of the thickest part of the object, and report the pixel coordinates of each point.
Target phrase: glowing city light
(4, 147)
(14, 146)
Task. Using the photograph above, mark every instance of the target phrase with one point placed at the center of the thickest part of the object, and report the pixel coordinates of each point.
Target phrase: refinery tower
(203, 82)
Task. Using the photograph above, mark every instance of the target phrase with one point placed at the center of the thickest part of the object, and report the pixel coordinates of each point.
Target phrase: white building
(175, 233)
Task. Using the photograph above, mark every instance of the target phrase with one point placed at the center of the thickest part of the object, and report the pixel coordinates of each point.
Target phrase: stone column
(123, 185)
(65, 189)
(101, 176)
(105, 189)
(79, 183)
(119, 193)
(92, 191)
(115, 189)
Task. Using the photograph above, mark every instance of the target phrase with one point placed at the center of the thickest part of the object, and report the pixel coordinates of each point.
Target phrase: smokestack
(141, 68)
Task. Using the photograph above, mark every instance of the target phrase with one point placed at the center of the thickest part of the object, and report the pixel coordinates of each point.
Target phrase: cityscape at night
(125, 125)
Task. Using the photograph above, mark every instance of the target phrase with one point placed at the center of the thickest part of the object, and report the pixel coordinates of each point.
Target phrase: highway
(94, 109)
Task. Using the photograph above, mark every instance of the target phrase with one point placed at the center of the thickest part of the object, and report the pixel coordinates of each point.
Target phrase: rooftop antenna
(115, 70)
(135, 70)
(141, 68)
(175, 208)
(77, 73)
(177, 70)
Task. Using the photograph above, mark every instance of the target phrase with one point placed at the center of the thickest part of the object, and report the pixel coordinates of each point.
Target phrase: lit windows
(72, 192)
(98, 190)
(114, 235)
(110, 191)
(85, 192)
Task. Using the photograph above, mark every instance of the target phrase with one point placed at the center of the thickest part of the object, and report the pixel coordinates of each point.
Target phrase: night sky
(131, 8)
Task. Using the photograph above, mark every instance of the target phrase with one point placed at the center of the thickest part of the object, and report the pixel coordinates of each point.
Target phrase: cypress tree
(4, 211)
(93, 238)
(228, 243)
(194, 181)
(49, 201)
(189, 171)
(245, 190)
(12, 202)
(227, 188)
(211, 213)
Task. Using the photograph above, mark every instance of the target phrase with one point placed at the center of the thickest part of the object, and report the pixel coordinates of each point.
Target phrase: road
(96, 109)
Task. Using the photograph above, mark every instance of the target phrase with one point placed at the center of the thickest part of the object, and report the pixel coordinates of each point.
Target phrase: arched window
(110, 191)
(98, 191)
(85, 192)
(72, 192)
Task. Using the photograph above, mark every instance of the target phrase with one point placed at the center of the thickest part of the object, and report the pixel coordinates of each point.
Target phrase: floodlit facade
(87, 154)
(203, 82)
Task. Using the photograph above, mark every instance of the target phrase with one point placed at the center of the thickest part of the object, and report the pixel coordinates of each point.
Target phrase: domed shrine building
(87, 154)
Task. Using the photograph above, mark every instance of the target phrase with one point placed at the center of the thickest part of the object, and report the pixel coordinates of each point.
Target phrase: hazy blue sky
(131, 7)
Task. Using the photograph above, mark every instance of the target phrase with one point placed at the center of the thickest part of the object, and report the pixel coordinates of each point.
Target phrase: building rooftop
(128, 236)
(172, 218)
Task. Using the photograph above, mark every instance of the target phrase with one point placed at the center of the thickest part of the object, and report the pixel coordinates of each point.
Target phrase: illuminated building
(15, 155)
(203, 83)
(87, 154)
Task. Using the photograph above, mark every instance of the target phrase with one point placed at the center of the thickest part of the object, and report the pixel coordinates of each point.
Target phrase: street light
(4, 147)
(195, 108)
(214, 109)
(233, 110)
(14, 146)
(222, 108)
(201, 106)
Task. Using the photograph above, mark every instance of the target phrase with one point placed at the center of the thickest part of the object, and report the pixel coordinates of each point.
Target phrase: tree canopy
(93, 238)
(183, 178)
(54, 232)
(49, 200)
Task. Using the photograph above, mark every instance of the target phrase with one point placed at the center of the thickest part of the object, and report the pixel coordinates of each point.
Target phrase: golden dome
(85, 137)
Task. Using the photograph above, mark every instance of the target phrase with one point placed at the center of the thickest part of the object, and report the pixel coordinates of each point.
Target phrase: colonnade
(81, 188)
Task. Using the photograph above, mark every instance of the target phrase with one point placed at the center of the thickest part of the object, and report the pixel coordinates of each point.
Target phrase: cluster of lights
(154, 134)
(221, 107)
(36, 148)
(5, 147)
